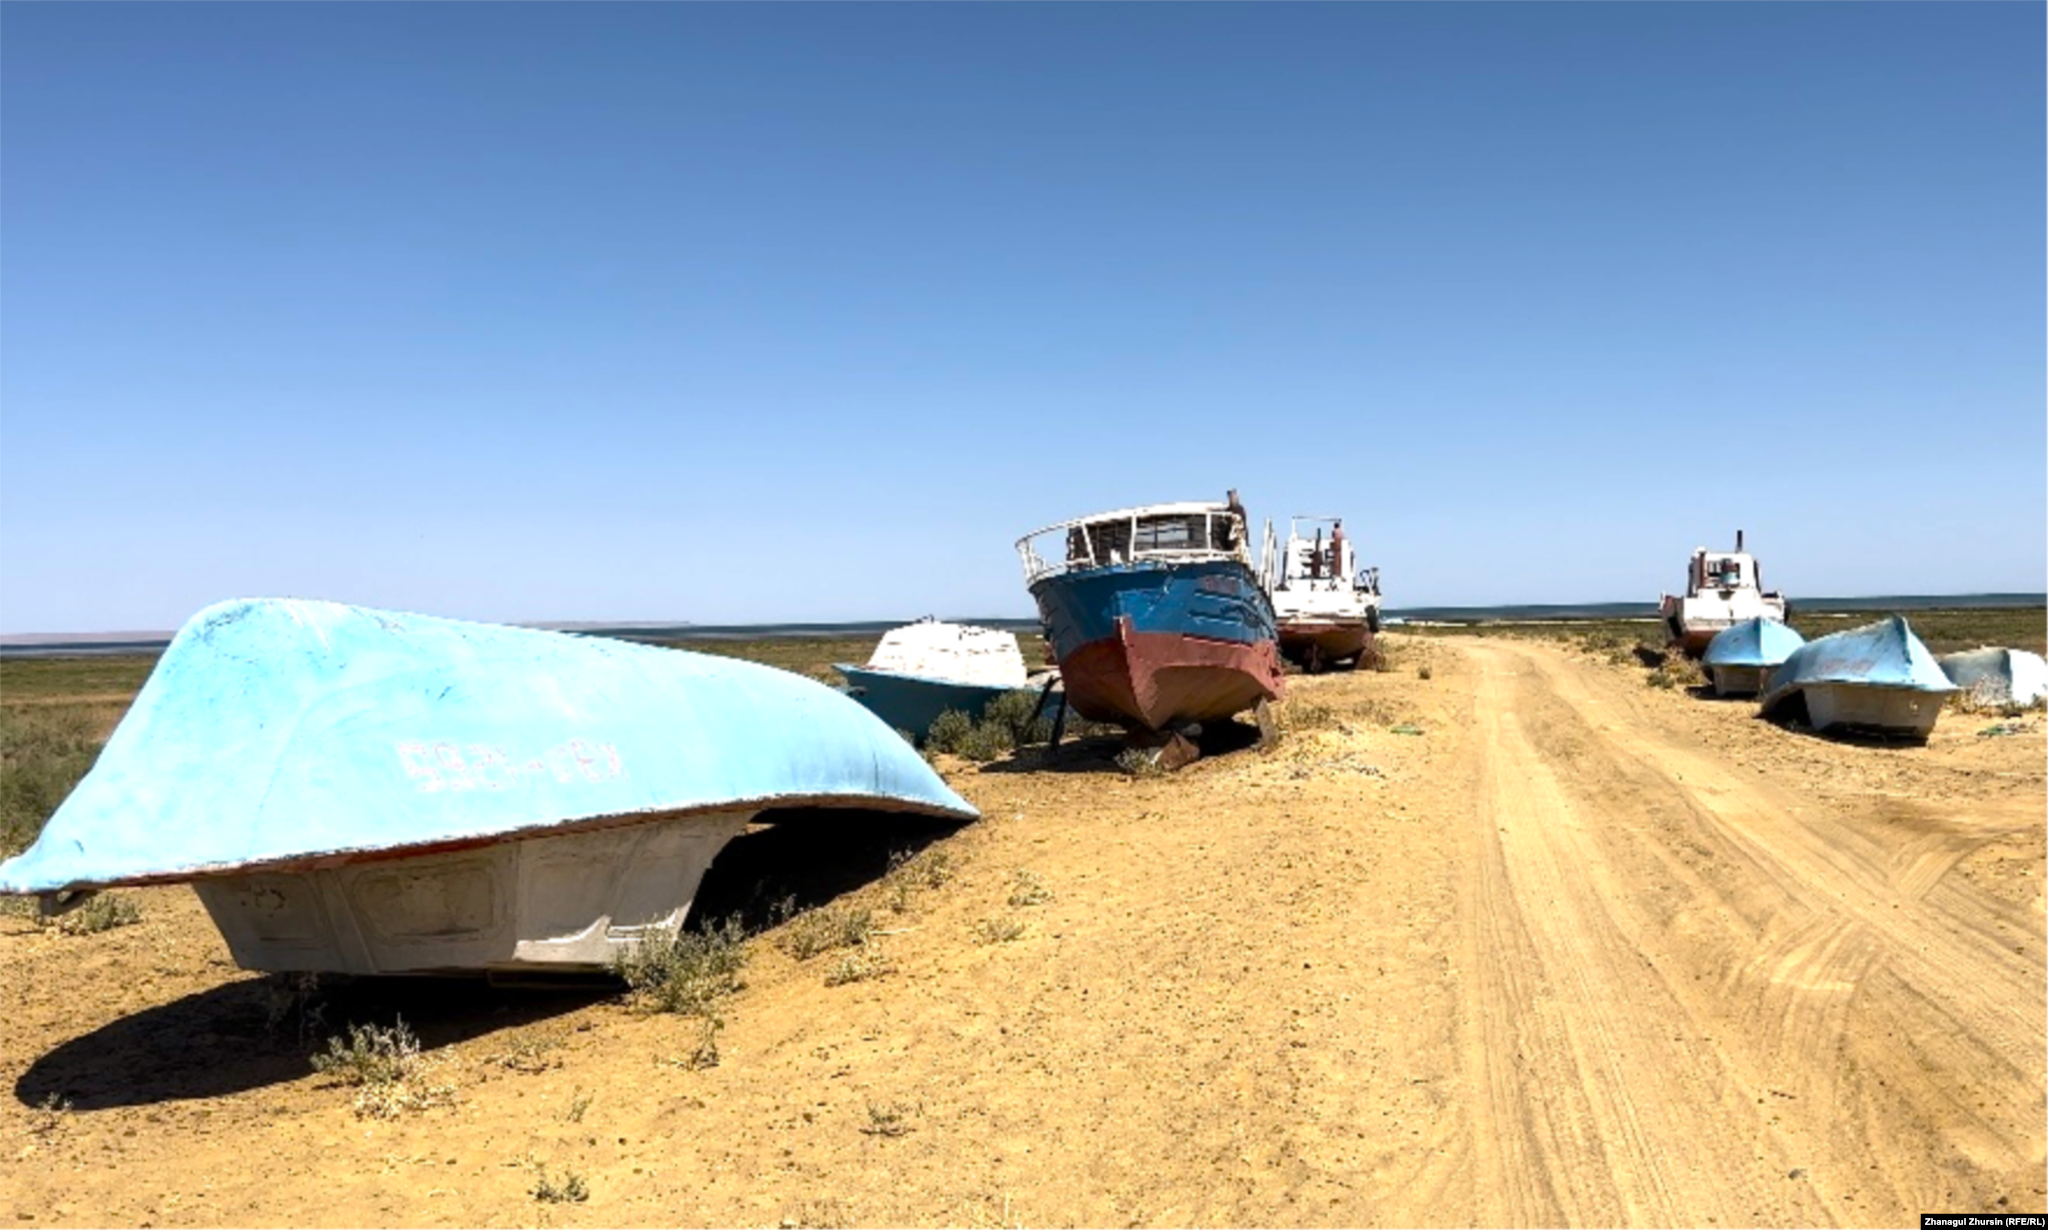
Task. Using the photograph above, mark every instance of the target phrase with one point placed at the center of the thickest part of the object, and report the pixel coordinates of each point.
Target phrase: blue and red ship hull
(1152, 646)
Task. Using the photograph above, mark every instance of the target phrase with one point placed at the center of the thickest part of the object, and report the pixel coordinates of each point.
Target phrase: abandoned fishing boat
(1722, 588)
(1740, 658)
(1877, 679)
(1154, 614)
(1327, 609)
(371, 792)
(923, 669)
(1994, 676)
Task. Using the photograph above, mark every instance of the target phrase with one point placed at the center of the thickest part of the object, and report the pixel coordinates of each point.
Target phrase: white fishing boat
(1722, 589)
(1328, 607)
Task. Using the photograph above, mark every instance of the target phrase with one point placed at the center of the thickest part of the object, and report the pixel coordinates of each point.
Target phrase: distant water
(1648, 610)
(130, 642)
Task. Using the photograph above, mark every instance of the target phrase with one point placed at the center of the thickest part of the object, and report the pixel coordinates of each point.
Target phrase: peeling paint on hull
(1157, 680)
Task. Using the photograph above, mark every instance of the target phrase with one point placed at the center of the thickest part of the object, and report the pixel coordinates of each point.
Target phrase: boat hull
(1869, 709)
(569, 902)
(1315, 643)
(1875, 679)
(913, 703)
(1738, 680)
(1150, 647)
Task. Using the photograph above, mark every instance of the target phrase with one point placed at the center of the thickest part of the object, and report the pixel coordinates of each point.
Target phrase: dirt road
(1525, 942)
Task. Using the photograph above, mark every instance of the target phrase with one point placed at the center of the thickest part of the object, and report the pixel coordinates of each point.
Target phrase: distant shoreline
(97, 644)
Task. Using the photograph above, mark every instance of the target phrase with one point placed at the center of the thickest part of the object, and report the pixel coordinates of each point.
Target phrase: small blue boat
(1155, 614)
(1878, 679)
(921, 670)
(1740, 658)
(374, 792)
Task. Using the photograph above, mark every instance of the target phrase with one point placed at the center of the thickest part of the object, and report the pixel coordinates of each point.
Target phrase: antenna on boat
(1738, 540)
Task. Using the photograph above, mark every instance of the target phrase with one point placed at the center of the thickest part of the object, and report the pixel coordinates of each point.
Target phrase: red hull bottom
(1317, 644)
(1154, 681)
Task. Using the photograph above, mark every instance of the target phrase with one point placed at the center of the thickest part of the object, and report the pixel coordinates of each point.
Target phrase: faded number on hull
(479, 766)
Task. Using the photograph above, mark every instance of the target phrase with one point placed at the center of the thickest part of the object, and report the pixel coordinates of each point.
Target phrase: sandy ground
(1579, 952)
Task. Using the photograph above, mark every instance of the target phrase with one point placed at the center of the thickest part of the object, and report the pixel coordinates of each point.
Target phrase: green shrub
(986, 741)
(684, 971)
(1013, 711)
(949, 730)
(371, 1056)
(569, 1189)
(103, 912)
(823, 930)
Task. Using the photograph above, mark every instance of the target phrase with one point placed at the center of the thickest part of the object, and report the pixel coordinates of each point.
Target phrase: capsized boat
(1327, 608)
(921, 670)
(1994, 676)
(1722, 588)
(1878, 678)
(1741, 658)
(1154, 614)
(372, 792)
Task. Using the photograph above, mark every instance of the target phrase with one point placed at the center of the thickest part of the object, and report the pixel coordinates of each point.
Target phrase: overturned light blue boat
(1878, 678)
(1740, 657)
(374, 792)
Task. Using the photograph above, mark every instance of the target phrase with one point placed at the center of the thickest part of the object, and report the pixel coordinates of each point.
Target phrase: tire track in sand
(1895, 997)
(1595, 1106)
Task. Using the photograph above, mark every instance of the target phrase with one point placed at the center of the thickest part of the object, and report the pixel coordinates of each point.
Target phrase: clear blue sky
(716, 313)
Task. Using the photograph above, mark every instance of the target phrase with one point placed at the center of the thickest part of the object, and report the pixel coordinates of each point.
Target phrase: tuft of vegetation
(857, 967)
(530, 1053)
(1423, 671)
(1677, 671)
(999, 930)
(101, 912)
(889, 1119)
(570, 1188)
(682, 971)
(1005, 725)
(704, 1052)
(949, 730)
(1026, 888)
(579, 1105)
(823, 930)
(909, 874)
(371, 1056)
(986, 742)
(386, 1069)
(1012, 711)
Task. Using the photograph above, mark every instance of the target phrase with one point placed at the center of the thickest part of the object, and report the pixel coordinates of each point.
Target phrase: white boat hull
(1859, 706)
(565, 902)
(1739, 680)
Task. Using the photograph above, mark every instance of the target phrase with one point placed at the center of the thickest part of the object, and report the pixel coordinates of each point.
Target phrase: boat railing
(1165, 534)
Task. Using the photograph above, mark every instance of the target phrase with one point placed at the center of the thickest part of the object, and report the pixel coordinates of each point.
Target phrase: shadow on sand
(805, 858)
(255, 1032)
(259, 1031)
(1098, 753)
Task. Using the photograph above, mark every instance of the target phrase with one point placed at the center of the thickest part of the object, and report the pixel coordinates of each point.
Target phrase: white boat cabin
(1315, 574)
(1722, 589)
(1161, 533)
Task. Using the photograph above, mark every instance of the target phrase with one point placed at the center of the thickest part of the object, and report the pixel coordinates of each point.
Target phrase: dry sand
(1580, 952)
